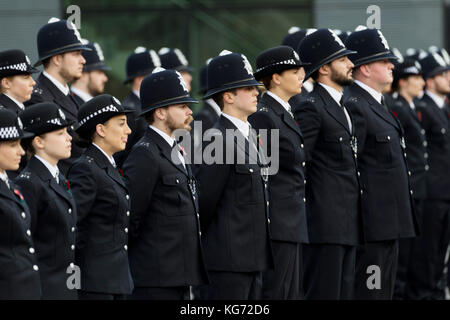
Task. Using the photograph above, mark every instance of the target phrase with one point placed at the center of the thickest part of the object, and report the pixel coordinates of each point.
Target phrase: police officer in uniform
(59, 46)
(16, 86)
(94, 78)
(282, 73)
(387, 202)
(103, 202)
(436, 218)
(52, 207)
(234, 199)
(139, 64)
(165, 251)
(407, 85)
(174, 59)
(19, 276)
(16, 83)
(332, 189)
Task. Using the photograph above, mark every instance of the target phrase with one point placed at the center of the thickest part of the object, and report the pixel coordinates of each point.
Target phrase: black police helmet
(11, 127)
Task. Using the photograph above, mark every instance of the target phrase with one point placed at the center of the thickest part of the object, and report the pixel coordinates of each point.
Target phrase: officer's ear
(56, 60)
(100, 130)
(37, 143)
(364, 70)
(228, 97)
(161, 114)
(276, 78)
(324, 70)
(5, 83)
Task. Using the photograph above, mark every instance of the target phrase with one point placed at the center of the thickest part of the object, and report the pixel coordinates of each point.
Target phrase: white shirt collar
(165, 136)
(308, 86)
(438, 100)
(83, 95)
(243, 127)
(412, 105)
(285, 104)
(4, 176)
(20, 104)
(336, 95)
(64, 88)
(136, 92)
(53, 169)
(111, 159)
(374, 93)
(214, 105)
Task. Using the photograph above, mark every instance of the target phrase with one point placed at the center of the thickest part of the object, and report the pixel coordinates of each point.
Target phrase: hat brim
(26, 135)
(91, 123)
(435, 72)
(168, 102)
(234, 85)
(334, 56)
(277, 68)
(50, 127)
(62, 50)
(376, 57)
(96, 66)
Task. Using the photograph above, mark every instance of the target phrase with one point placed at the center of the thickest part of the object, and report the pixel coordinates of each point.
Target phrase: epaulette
(89, 159)
(353, 99)
(25, 175)
(263, 108)
(144, 144)
(38, 90)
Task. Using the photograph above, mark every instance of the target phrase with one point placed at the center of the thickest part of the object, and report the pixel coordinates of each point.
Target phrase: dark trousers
(376, 263)
(232, 286)
(329, 271)
(156, 293)
(86, 295)
(284, 282)
(429, 255)
(407, 248)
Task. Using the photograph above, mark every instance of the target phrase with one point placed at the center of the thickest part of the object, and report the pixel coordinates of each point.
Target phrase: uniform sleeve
(212, 180)
(84, 188)
(141, 175)
(310, 122)
(32, 197)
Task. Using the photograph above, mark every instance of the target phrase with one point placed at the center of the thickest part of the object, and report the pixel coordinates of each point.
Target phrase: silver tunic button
(302, 145)
(72, 247)
(24, 215)
(73, 229)
(126, 230)
(427, 167)
(198, 216)
(340, 138)
(304, 199)
(28, 233)
(409, 173)
(268, 221)
(128, 213)
(304, 181)
(389, 137)
(359, 174)
(303, 163)
(425, 155)
(178, 181)
(69, 211)
(251, 170)
(404, 154)
(127, 197)
(422, 131)
(200, 233)
(267, 203)
(125, 247)
(425, 143)
(361, 192)
(35, 268)
(410, 191)
(31, 250)
(443, 130)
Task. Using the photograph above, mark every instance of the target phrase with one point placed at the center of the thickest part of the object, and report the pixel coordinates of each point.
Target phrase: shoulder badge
(25, 175)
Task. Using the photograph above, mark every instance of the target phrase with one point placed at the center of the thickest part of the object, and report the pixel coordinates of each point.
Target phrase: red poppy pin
(17, 192)
(419, 115)
(394, 113)
(182, 150)
(67, 185)
(120, 171)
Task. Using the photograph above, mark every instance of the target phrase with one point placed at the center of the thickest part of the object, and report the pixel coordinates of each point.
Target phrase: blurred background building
(202, 28)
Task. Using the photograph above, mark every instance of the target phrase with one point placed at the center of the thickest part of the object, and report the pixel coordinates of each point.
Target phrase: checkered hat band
(55, 121)
(9, 133)
(411, 70)
(19, 67)
(110, 108)
(288, 62)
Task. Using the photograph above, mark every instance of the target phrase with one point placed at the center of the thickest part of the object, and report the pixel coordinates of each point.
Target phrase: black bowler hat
(163, 88)
(432, 65)
(43, 117)
(370, 45)
(321, 47)
(442, 52)
(11, 127)
(140, 63)
(56, 37)
(204, 77)
(293, 38)
(98, 110)
(277, 60)
(14, 62)
(343, 35)
(94, 59)
(174, 59)
(414, 53)
(408, 67)
(227, 71)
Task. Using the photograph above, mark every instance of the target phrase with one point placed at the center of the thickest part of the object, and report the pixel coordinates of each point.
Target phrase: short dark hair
(218, 97)
(266, 81)
(27, 145)
(150, 116)
(46, 62)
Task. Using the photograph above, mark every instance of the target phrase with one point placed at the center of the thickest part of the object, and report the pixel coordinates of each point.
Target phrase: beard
(342, 79)
(95, 90)
(67, 76)
(172, 125)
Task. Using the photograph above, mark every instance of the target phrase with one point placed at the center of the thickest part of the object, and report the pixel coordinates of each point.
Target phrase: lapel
(164, 148)
(280, 111)
(103, 163)
(9, 104)
(7, 193)
(37, 167)
(67, 103)
(378, 108)
(442, 113)
(332, 107)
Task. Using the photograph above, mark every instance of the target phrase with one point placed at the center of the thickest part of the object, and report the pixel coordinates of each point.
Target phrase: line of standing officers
(358, 208)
